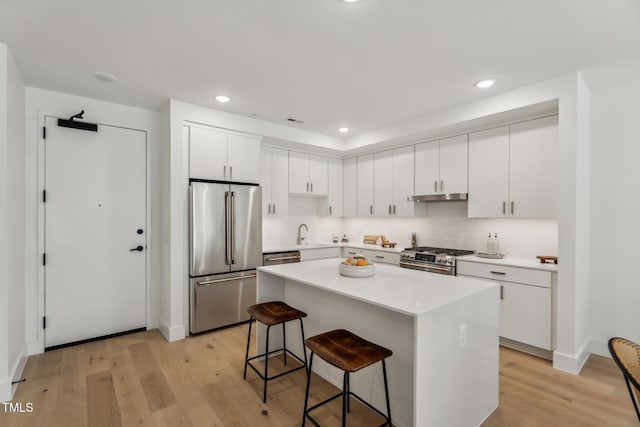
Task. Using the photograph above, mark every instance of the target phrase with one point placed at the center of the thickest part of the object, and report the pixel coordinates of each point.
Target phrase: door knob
(137, 248)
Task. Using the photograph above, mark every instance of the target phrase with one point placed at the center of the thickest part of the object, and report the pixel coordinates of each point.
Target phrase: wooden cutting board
(544, 259)
(370, 239)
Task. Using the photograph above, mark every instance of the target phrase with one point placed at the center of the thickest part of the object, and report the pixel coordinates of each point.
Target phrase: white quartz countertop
(287, 248)
(533, 264)
(399, 289)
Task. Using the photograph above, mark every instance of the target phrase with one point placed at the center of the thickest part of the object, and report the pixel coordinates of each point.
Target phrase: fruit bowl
(357, 266)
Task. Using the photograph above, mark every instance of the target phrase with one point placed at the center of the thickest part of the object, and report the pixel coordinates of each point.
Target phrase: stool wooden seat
(346, 351)
(270, 314)
(274, 312)
(349, 353)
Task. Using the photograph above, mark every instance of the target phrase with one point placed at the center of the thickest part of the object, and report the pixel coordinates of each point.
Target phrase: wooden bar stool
(270, 314)
(350, 353)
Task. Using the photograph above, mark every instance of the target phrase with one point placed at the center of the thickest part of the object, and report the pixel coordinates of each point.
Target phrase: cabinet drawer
(505, 273)
(373, 255)
(380, 256)
(319, 253)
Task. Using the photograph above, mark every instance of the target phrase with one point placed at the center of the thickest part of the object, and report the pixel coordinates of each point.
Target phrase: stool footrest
(280, 374)
(350, 393)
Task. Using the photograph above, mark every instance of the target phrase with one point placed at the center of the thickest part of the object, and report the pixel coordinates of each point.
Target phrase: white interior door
(95, 232)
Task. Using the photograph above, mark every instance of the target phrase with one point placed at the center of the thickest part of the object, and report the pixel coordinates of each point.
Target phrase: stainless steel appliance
(434, 260)
(274, 258)
(225, 248)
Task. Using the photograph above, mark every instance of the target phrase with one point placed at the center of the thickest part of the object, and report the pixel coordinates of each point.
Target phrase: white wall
(615, 205)
(4, 229)
(13, 347)
(40, 103)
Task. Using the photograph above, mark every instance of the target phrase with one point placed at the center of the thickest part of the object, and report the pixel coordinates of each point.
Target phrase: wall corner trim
(7, 390)
(571, 363)
(172, 333)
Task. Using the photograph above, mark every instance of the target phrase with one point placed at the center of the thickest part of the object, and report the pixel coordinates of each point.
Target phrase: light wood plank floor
(140, 379)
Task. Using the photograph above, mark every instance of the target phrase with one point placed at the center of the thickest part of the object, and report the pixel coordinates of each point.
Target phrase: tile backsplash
(444, 224)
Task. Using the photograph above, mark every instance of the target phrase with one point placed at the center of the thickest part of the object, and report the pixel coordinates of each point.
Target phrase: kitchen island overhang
(443, 331)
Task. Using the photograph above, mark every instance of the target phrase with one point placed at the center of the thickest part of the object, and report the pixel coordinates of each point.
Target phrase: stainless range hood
(451, 197)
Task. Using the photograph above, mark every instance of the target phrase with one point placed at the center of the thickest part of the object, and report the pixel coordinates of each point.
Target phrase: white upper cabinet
(533, 178)
(489, 172)
(274, 180)
(513, 170)
(243, 158)
(349, 182)
(403, 181)
(364, 185)
(383, 183)
(427, 164)
(308, 174)
(454, 164)
(224, 156)
(334, 199)
(319, 174)
(442, 166)
(393, 182)
(207, 153)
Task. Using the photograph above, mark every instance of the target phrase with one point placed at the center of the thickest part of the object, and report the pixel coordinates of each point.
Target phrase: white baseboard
(7, 390)
(172, 333)
(153, 323)
(35, 346)
(571, 363)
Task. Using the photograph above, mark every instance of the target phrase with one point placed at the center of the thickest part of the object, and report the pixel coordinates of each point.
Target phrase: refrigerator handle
(227, 231)
(233, 227)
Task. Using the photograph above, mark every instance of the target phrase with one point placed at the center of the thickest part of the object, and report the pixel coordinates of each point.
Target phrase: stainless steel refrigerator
(225, 249)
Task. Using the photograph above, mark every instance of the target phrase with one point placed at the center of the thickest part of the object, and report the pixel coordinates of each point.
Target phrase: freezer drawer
(221, 300)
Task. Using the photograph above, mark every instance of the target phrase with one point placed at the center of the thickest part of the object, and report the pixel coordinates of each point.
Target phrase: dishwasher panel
(274, 258)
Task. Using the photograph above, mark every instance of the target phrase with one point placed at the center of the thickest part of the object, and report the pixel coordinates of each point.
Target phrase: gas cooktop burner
(435, 260)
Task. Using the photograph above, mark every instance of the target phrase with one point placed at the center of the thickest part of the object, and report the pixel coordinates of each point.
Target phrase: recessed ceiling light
(343, 130)
(223, 98)
(349, 1)
(483, 84)
(105, 77)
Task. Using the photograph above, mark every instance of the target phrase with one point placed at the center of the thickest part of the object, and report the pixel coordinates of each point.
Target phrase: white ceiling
(365, 65)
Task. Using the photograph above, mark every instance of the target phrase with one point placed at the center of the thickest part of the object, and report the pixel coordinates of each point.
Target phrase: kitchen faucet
(300, 238)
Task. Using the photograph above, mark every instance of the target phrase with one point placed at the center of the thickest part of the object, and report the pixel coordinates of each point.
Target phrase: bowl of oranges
(357, 266)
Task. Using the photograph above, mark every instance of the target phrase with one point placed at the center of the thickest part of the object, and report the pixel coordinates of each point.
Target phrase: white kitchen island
(443, 331)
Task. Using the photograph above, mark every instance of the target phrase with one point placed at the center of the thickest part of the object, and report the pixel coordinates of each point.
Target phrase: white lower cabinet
(373, 255)
(319, 253)
(525, 314)
(525, 300)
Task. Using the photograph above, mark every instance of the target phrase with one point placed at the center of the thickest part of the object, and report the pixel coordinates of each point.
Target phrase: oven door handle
(427, 267)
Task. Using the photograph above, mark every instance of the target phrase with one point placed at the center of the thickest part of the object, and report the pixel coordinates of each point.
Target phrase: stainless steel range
(434, 260)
